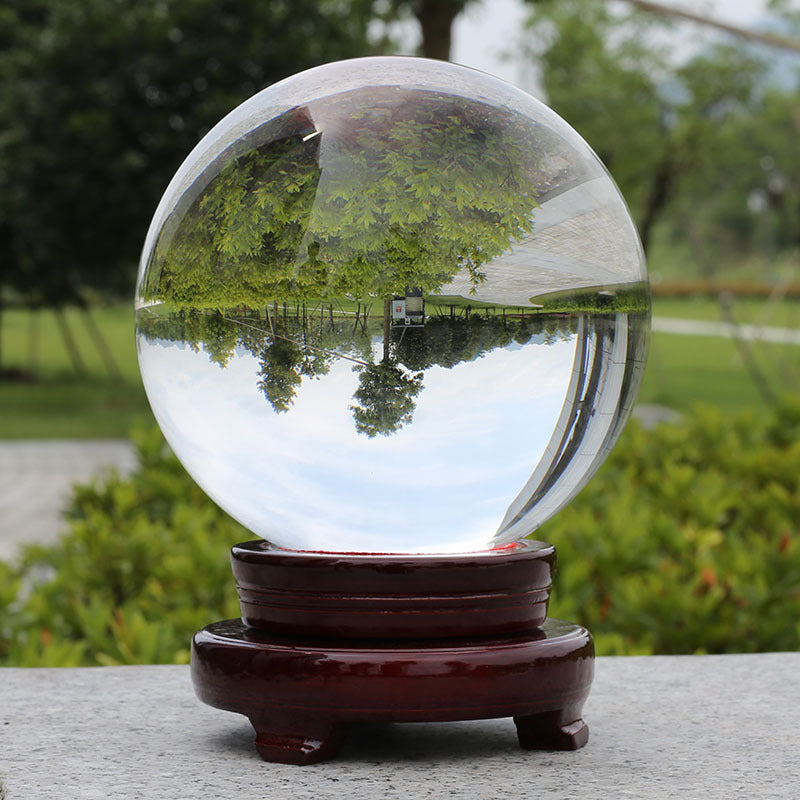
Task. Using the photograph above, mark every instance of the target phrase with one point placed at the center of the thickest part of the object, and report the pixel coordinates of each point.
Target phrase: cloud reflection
(305, 478)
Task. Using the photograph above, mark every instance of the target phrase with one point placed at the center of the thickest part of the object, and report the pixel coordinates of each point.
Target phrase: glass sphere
(392, 305)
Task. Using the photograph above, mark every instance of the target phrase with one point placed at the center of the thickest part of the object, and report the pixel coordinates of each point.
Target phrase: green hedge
(686, 541)
(143, 564)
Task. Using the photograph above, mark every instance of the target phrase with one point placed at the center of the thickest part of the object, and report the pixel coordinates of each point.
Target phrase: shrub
(686, 541)
(143, 563)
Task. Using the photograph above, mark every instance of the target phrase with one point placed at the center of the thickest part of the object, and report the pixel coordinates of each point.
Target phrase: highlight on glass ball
(392, 305)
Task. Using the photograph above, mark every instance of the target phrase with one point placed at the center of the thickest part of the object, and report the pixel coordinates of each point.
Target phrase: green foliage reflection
(396, 188)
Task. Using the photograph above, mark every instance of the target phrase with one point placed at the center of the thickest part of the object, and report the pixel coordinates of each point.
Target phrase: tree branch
(772, 39)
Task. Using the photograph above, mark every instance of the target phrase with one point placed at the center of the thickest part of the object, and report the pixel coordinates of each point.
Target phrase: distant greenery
(708, 156)
(687, 540)
(100, 97)
(53, 400)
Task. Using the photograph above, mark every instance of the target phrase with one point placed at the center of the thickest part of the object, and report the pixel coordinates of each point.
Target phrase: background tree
(279, 375)
(603, 72)
(385, 398)
(101, 101)
(219, 338)
(774, 134)
(716, 153)
(435, 19)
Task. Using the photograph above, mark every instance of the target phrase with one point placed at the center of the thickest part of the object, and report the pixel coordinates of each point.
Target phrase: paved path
(750, 333)
(35, 482)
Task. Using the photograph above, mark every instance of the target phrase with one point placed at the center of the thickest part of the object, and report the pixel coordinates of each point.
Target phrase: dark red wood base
(302, 695)
(303, 691)
(393, 596)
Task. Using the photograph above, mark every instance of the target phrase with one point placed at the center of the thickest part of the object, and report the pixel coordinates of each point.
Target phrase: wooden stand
(326, 641)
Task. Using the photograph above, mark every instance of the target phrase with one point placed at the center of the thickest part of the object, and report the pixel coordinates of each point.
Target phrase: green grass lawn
(22, 329)
(56, 402)
(52, 400)
(69, 408)
(745, 310)
(683, 371)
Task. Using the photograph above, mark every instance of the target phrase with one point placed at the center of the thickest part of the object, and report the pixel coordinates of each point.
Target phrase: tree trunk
(69, 342)
(387, 327)
(101, 345)
(33, 340)
(657, 198)
(436, 20)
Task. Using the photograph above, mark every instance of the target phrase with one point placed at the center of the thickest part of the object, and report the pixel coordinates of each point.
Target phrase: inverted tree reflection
(294, 344)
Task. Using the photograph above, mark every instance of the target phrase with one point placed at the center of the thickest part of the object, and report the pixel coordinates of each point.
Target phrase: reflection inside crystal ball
(392, 305)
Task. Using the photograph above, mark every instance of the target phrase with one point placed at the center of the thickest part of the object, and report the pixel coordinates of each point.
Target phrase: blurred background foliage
(686, 541)
(101, 101)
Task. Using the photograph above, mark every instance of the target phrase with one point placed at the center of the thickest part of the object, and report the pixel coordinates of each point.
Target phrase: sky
(491, 28)
(305, 479)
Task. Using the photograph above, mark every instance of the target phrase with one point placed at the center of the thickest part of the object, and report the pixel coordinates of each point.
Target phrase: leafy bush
(143, 564)
(686, 541)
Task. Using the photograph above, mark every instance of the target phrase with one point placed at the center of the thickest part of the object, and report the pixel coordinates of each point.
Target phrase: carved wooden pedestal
(328, 641)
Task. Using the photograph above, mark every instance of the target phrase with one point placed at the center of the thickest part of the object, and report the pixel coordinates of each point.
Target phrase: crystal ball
(392, 305)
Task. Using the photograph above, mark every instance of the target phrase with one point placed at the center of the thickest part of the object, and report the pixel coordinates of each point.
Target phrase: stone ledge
(661, 727)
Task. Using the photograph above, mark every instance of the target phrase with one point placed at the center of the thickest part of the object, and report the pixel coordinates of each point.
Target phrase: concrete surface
(35, 482)
(662, 727)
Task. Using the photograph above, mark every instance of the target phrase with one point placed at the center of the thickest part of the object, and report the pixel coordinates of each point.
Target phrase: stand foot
(290, 739)
(552, 730)
(302, 695)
